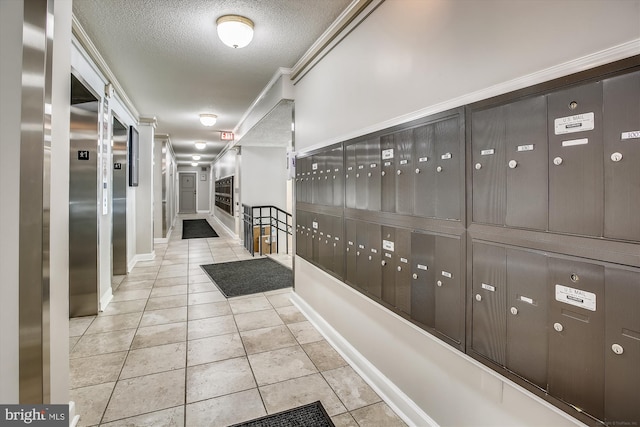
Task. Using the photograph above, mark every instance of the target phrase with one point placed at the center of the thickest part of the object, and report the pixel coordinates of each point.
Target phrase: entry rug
(197, 229)
(311, 415)
(249, 277)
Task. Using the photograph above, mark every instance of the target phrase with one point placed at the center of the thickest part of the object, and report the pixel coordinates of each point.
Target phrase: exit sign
(226, 136)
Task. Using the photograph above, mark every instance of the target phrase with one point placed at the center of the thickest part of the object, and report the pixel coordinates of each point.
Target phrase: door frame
(195, 180)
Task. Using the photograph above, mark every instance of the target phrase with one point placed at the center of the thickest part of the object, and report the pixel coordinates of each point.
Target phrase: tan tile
(124, 307)
(305, 332)
(226, 410)
(213, 309)
(323, 355)
(150, 393)
(218, 378)
(136, 284)
(280, 300)
(266, 339)
(125, 294)
(134, 275)
(72, 342)
(350, 388)
(166, 302)
(279, 365)
(199, 278)
(253, 303)
(156, 359)
(378, 414)
(163, 316)
(172, 417)
(206, 297)
(79, 325)
(92, 370)
(301, 391)
(290, 314)
(172, 273)
(150, 336)
(214, 349)
(116, 322)
(343, 420)
(107, 342)
(167, 291)
(257, 320)
(91, 402)
(171, 281)
(211, 326)
(202, 287)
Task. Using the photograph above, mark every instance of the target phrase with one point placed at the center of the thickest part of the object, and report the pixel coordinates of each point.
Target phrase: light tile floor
(171, 350)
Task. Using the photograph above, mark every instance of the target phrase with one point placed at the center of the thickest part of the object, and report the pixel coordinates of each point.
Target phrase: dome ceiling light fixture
(201, 145)
(208, 119)
(235, 31)
(196, 157)
(194, 164)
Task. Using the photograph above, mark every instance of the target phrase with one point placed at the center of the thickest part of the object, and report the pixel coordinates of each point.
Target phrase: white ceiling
(167, 57)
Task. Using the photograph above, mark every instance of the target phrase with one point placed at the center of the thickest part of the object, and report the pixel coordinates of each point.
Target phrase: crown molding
(148, 121)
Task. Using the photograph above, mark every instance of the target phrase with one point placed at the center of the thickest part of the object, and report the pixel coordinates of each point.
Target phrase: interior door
(188, 192)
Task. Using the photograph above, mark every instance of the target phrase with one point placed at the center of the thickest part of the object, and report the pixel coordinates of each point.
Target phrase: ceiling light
(195, 157)
(201, 145)
(194, 164)
(235, 31)
(208, 119)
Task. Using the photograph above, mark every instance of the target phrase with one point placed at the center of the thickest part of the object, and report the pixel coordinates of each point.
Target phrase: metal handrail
(278, 221)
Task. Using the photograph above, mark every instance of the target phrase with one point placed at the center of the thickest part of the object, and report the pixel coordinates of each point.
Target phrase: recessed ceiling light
(208, 119)
(194, 164)
(195, 157)
(235, 31)
(201, 145)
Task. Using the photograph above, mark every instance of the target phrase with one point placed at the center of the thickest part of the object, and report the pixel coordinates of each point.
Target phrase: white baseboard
(140, 257)
(203, 212)
(387, 390)
(162, 240)
(73, 417)
(105, 299)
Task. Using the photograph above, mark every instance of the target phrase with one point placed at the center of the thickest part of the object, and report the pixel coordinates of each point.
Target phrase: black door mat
(249, 277)
(197, 229)
(311, 415)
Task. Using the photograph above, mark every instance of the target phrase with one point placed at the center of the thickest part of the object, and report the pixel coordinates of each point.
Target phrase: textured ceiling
(170, 62)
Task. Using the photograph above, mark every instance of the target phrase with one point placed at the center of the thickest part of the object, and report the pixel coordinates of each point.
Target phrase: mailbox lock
(439, 169)
(399, 172)
(347, 175)
(617, 349)
(415, 276)
(370, 258)
(399, 268)
(558, 327)
(357, 175)
(514, 311)
(348, 249)
(417, 170)
(358, 253)
(439, 283)
(369, 174)
(478, 297)
(383, 262)
(557, 161)
(574, 277)
(513, 164)
(616, 157)
(383, 173)
(478, 166)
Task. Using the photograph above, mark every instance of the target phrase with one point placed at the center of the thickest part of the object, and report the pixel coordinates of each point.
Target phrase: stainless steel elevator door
(119, 188)
(83, 202)
(188, 193)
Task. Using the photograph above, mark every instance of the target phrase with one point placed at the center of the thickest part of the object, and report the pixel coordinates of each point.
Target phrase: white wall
(264, 176)
(417, 57)
(157, 187)
(144, 193)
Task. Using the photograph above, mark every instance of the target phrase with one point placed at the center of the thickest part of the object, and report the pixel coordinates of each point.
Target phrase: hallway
(171, 350)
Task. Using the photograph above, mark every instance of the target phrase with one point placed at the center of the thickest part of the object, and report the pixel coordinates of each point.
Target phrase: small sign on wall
(203, 177)
(83, 154)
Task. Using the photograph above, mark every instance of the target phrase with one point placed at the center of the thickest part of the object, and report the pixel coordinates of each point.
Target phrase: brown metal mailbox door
(448, 288)
(448, 163)
(388, 265)
(402, 268)
(622, 157)
(403, 172)
(373, 260)
(338, 246)
(575, 160)
(488, 157)
(351, 276)
(622, 347)
(527, 301)
(576, 334)
(423, 298)
(424, 169)
(351, 167)
(373, 174)
(387, 172)
(526, 164)
(361, 175)
(489, 322)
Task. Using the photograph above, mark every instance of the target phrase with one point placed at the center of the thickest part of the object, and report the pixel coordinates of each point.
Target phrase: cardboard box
(266, 231)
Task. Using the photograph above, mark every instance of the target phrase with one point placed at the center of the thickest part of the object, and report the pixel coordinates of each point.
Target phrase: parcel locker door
(449, 288)
(299, 187)
(404, 172)
(576, 334)
(527, 300)
(402, 267)
(374, 260)
(351, 167)
(621, 120)
(338, 246)
(373, 175)
(315, 238)
(350, 252)
(575, 160)
(388, 265)
(309, 236)
(424, 182)
(362, 168)
(489, 324)
(387, 174)
(422, 274)
(325, 256)
(488, 157)
(448, 163)
(301, 244)
(337, 176)
(526, 164)
(362, 255)
(622, 346)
